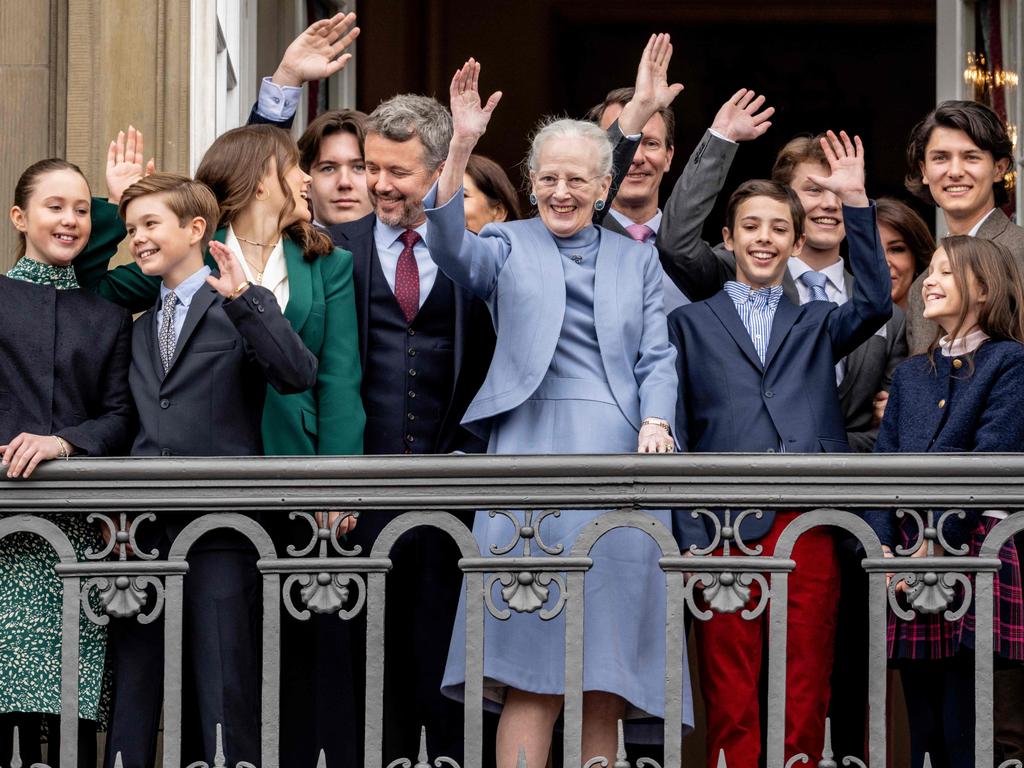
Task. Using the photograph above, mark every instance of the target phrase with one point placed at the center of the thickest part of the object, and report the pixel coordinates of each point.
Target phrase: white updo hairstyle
(580, 130)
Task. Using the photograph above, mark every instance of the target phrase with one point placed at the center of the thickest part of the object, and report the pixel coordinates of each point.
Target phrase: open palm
(846, 161)
(314, 55)
(469, 116)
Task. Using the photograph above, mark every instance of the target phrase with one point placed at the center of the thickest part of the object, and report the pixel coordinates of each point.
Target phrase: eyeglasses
(550, 181)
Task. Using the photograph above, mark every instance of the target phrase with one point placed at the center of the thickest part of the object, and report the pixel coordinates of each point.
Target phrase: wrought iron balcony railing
(124, 494)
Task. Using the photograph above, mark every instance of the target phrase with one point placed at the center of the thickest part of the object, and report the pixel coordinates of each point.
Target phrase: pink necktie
(407, 277)
(639, 232)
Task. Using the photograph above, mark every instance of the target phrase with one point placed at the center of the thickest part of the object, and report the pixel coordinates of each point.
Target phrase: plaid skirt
(932, 637)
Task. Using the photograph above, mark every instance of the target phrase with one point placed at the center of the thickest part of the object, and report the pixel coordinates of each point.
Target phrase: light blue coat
(517, 269)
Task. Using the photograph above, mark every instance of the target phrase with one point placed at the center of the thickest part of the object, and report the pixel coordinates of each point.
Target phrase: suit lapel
(300, 285)
(723, 307)
(200, 303)
(854, 360)
(606, 307)
(364, 251)
(150, 319)
(789, 289)
(994, 225)
(785, 315)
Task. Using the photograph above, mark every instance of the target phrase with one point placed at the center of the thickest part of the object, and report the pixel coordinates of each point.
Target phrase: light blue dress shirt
(277, 102)
(185, 291)
(389, 248)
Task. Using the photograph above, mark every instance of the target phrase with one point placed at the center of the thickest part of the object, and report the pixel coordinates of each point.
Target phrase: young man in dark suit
(958, 157)
(201, 361)
(757, 374)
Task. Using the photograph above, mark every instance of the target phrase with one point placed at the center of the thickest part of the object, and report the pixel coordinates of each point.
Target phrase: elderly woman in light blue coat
(582, 365)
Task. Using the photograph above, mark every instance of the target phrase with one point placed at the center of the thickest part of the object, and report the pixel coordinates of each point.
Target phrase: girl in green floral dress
(64, 357)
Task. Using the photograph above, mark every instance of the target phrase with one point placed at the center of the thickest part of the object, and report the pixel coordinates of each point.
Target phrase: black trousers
(421, 601)
(940, 708)
(222, 615)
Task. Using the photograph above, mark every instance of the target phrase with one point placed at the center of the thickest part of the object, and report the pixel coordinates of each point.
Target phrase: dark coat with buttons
(64, 367)
(210, 401)
(950, 408)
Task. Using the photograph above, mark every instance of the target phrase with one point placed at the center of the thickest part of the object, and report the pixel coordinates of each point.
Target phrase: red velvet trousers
(730, 657)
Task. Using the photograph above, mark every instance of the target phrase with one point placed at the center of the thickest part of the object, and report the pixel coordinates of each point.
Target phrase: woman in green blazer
(265, 220)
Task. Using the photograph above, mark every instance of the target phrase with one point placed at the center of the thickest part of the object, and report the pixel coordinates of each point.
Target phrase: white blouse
(962, 345)
(275, 275)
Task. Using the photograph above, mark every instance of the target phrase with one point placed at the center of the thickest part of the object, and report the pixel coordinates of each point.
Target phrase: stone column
(32, 71)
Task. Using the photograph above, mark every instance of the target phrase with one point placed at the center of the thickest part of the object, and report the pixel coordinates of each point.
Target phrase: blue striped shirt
(756, 310)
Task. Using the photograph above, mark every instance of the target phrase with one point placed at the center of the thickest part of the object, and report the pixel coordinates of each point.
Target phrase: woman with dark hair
(962, 396)
(908, 245)
(64, 357)
(488, 194)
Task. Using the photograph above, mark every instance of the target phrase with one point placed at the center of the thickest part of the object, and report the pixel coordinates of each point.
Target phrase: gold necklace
(261, 269)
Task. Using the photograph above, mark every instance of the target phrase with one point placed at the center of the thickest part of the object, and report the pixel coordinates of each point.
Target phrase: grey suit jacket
(920, 332)
(701, 270)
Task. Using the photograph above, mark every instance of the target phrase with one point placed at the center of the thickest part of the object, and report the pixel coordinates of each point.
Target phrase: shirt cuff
(277, 102)
(713, 132)
(634, 136)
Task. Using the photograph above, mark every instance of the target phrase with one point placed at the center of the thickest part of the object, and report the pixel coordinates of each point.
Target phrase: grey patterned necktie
(815, 281)
(166, 336)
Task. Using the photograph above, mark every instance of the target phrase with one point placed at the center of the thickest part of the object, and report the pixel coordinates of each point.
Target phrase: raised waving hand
(470, 117)
(741, 117)
(846, 161)
(126, 163)
(652, 90)
(318, 52)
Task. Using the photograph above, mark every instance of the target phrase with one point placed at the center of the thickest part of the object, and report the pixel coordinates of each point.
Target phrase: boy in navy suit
(201, 361)
(757, 374)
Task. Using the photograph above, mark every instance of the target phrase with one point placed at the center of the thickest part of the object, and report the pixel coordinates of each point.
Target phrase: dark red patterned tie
(407, 277)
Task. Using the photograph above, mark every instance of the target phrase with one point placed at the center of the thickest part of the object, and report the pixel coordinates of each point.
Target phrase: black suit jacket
(473, 342)
(210, 402)
(64, 367)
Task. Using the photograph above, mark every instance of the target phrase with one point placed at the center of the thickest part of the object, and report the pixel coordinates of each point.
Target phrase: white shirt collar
(962, 345)
(835, 273)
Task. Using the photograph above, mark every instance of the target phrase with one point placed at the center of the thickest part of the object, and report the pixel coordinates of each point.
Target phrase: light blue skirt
(624, 595)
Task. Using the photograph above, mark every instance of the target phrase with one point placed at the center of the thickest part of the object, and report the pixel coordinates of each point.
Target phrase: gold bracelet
(657, 423)
(64, 453)
(244, 286)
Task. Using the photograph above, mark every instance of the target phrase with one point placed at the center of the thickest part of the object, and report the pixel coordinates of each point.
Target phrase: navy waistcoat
(409, 369)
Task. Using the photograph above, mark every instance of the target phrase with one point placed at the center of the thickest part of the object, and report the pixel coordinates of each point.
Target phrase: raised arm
(870, 306)
(699, 270)
(269, 338)
(316, 54)
(651, 92)
(124, 285)
(472, 262)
